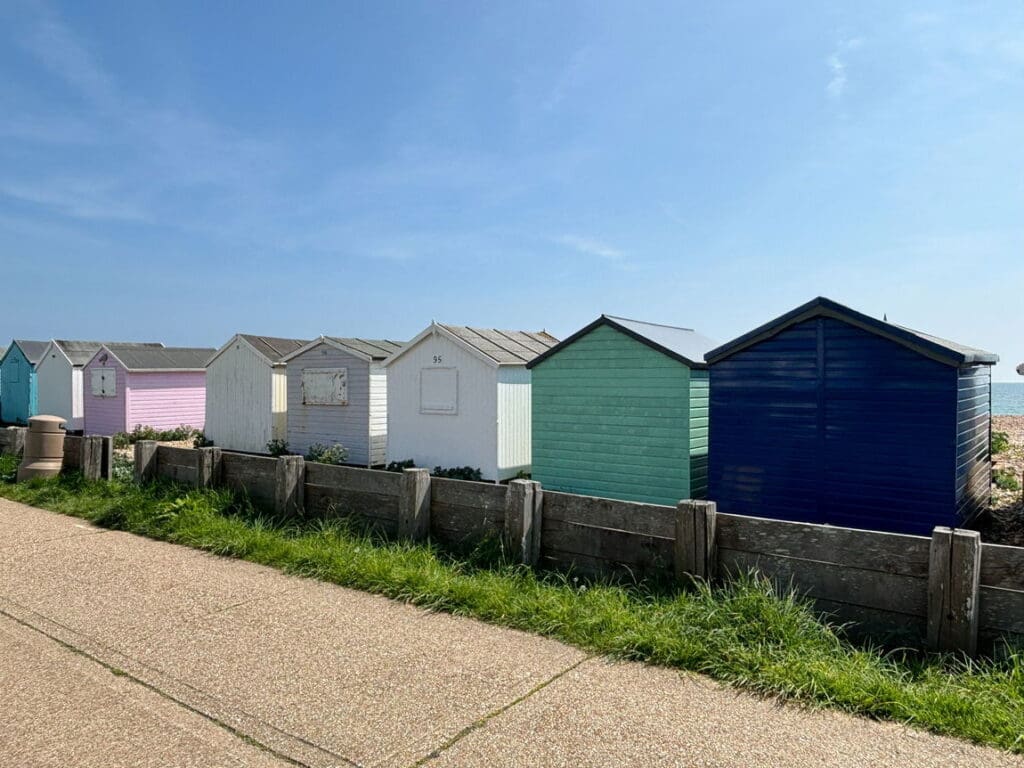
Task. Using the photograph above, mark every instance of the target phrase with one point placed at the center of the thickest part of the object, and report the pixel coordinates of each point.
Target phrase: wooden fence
(949, 589)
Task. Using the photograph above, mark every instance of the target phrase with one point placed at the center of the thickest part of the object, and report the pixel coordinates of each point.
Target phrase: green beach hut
(620, 410)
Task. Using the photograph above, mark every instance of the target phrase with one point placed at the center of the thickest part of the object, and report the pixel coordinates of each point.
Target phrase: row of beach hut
(822, 415)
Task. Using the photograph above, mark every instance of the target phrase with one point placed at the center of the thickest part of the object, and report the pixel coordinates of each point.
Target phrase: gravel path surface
(118, 650)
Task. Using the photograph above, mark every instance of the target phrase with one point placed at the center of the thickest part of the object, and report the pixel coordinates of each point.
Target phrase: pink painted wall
(103, 415)
(166, 400)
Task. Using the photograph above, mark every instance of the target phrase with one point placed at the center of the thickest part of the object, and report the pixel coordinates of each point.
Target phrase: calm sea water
(1007, 399)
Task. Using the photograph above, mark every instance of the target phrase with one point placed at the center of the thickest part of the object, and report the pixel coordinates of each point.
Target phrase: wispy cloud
(589, 246)
(837, 65)
(61, 52)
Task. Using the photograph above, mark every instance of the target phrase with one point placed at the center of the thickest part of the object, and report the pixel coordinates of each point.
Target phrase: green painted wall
(612, 417)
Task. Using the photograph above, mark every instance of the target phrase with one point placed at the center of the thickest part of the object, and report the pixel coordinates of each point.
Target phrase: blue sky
(181, 171)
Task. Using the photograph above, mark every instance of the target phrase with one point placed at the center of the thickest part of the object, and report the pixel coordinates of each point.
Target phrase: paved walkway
(117, 650)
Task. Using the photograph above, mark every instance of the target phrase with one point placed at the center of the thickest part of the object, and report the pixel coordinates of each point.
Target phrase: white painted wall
(279, 408)
(514, 421)
(56, 388)
(378, 414)
(239, 408)
(468, 437)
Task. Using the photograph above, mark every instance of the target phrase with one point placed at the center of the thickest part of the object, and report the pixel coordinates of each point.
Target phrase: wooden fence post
(954, 572)
(523, 508)
(207, 467)
(145, 461)
(97, 457)
(414, 505)
(695, 550)
(289, 492)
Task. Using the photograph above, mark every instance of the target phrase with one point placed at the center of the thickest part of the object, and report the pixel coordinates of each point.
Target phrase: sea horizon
(1008, 398)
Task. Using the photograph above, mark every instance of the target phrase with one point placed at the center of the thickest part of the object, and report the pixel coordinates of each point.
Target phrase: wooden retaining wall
(949, 589)
(93, 456)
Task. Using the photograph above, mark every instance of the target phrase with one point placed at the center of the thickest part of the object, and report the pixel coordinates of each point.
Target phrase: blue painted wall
(17, 387)
(827, 423)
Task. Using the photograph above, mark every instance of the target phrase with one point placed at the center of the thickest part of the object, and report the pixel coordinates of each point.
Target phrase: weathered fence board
(179, 457)
(646, 519)
(1001, 610)
(1002, 566)
(353, 479)
(463, 511)
(872, 550)
(256, 476)
(828, 581)
(564, 543)
(72, 452)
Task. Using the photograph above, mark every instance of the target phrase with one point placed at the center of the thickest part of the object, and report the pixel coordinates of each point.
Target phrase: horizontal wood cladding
(611, 417)
(828, 423)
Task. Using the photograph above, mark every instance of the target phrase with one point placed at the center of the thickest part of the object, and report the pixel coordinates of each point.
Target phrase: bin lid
(46, 423)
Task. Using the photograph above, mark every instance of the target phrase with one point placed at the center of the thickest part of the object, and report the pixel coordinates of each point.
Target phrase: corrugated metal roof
(81, 352)
(376, 349)
(137, 358)
(504, 347)
(942, 349)
(273, 348)
(33, 350)
(682, 344)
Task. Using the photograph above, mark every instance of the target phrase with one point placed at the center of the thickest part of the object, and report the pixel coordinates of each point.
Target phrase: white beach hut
(59, 379)
(247, 392)
(338, 394)
(460, 396)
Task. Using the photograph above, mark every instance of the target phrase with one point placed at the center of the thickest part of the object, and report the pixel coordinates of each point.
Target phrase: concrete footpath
(116, 650)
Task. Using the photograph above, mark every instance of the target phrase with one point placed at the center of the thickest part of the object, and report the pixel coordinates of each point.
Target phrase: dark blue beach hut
(826, 415)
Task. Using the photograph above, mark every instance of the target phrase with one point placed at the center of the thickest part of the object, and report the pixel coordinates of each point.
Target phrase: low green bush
(178, 434)
(1006, 480)
(1000, 442)
(323, 454)
(277, 447)
(398, 466)
(457, 473)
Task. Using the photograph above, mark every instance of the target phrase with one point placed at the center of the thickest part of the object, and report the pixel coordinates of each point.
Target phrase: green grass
(744, 633)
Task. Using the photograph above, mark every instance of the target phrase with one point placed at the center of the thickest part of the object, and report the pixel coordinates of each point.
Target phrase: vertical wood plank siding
(349, 424)
(611, 418)
(827, 423)
(239, 413)
(18, 393)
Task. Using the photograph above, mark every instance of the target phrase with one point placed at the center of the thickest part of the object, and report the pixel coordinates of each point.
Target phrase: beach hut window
(325, 386)
(104, 382)
(439, 390)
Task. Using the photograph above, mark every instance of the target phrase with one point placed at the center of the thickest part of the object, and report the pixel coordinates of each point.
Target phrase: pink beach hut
(128, 386)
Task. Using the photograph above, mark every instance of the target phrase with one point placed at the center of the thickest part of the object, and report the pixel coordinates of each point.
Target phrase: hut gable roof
(32, 350)
(79, 353)
(271, 348)
(493, 346)
(944, 351)
(682, 344)
(372, 350)
(151, 359)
